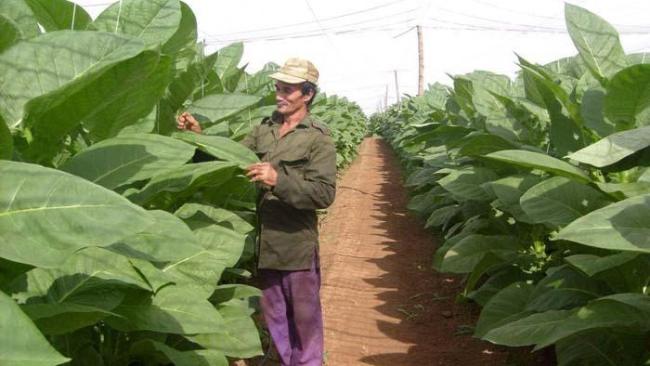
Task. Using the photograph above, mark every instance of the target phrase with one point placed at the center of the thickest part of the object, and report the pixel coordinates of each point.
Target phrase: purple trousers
(292, 311)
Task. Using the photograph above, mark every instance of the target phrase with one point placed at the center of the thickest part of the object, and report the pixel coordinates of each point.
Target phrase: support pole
(386, 99)
(397, 98)
(420, 61)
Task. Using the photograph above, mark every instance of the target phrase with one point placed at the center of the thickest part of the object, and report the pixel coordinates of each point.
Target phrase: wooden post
(420, 62)
(397, 99)
(386, 99)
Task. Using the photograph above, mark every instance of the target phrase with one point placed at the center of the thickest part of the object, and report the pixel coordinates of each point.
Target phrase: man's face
(289, 97)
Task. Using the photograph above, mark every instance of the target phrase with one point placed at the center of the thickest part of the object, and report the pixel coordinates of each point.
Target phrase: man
(297, 174)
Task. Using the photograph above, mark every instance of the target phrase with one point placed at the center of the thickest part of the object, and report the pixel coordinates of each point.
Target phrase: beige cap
(295, 71)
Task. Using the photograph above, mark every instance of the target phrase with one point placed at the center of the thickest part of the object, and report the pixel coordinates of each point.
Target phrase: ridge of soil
(383, 304)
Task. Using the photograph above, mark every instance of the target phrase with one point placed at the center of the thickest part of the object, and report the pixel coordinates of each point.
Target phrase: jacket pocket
(263, 149)
(294, 164)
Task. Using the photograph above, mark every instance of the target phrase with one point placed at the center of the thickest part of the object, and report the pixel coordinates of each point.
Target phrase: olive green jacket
(305, 160)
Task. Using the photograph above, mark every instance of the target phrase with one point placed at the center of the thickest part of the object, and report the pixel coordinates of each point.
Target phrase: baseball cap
(295, 71)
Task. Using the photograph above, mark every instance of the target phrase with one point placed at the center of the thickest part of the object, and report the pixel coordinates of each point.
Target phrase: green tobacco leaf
(565, 135)
(23, 16)
(424, 204)
(56, 15)
(260, 83)
(508, 192)
(6, 142)
(442, 134)
(42, 224)
(565, 130)
(601, 347)
(238, 336)
(189, 81)
(201, 272)
(50, 128)
(531, 86)
(179, 358)
(168, 239)
(466, 183)
(626, 102)
(592, 110)
(645, 176)
(596, 40)
(436, 95)
(29, 75)
(79, 293)
(489, 263)
(146, 124)
(439, 255)
(627, 277)
(563, 288)
(225, 293)
(173, 309)
(186, 179)
(548, 88)
(487, 87)
(619, 226)
(216, 215)
(88, 270)
(232, 79)
(442, 215)
(572, 66)
(186, 34)
(497, 282)
(129, 158)
(229, 57)
(153, 21)
(221, 148)
(217, 107)
(9, 33)
(506, 306)
(60, 98)
(62, 318)
(21, 344)
(535, 160)
(464, 255)
(133, 105)
(225, 245)
(463, 91)
(421, 177)
(625, 190)
(238, 193)
(592, 264)
(543, 329)
(558, 201)
(613, 148)
(638, 58)
(482, 144)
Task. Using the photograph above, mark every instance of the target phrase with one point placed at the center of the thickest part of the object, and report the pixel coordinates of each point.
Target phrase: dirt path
(383, 305)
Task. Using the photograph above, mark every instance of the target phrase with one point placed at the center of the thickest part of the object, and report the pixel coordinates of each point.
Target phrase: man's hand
(187, 122)
(262, 172)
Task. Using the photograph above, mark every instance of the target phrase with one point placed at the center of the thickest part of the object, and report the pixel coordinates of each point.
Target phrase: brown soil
(382, 302)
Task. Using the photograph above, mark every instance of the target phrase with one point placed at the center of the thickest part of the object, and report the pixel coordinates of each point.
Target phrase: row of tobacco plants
(123, 241)
(540, 188)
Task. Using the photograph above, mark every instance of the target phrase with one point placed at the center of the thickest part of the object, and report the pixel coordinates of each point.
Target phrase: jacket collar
(304, 123)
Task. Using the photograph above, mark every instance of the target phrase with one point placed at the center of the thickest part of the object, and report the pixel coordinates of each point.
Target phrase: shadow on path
(384, 305)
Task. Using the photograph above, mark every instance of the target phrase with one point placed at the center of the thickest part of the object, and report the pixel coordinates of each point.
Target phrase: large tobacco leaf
(43, 224)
